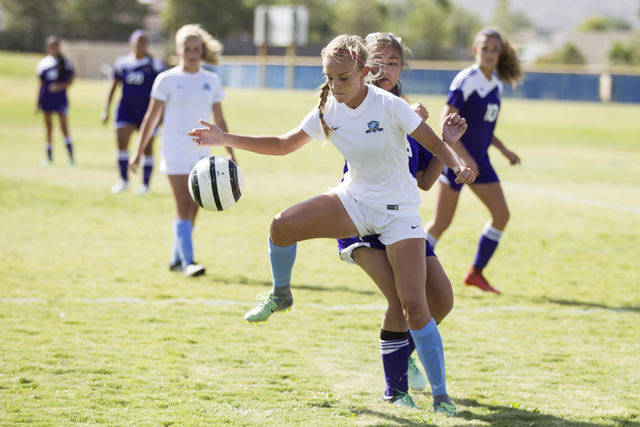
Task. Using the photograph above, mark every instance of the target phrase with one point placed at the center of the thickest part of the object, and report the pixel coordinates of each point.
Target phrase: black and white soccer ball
(216, 183)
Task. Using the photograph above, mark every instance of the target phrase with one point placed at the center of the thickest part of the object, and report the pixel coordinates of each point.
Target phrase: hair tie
(492, 33)
(351, 54)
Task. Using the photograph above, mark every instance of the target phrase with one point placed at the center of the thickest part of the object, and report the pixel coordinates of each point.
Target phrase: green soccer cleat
(445, 408)
(400, 399)
(270, 303)
(415, 377)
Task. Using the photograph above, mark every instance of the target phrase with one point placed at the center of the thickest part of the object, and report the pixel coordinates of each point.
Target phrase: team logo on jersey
(206, 87)
(374, 127)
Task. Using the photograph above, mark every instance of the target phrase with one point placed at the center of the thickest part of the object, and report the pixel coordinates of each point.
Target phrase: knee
(501, 218)
(280, 226)
(414, 310)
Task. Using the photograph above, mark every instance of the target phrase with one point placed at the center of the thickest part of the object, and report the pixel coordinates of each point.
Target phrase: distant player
(378, 195)
(136, 72)
(184, 94)
(396, 344)
(475, 95)
(56, 75)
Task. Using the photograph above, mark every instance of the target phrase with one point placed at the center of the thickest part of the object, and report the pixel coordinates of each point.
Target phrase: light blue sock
(182, 237)
(429, 347)
(281, 259)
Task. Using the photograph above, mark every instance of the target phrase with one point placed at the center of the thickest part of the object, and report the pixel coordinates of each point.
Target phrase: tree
(104, 19)
(221, 18)
(351, 20)
(569, 55)
(29, 22)
(602, 23)
(625, 54)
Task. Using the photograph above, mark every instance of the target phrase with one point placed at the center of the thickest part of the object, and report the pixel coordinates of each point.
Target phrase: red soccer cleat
(474, 277)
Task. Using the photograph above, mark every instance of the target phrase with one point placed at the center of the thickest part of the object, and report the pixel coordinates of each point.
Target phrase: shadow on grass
(295, 286)
(593, 306)
(490, 415)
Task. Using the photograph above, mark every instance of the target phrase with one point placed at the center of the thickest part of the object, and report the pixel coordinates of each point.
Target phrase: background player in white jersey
(56, 75)
(136, 72)
(378, 195)
(475, 95)
(183, 94)
(396, 344)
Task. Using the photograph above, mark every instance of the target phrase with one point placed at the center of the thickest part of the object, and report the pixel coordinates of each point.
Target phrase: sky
(559, 14)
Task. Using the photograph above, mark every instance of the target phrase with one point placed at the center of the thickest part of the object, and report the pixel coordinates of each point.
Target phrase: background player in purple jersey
(56, 75)
(475, 95)
(396, 344)
(179, 97)
(136, 72)
(378, 195)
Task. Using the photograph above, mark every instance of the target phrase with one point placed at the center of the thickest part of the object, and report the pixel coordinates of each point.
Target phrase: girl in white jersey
(378, 195)
(396, 344)
(183, 94)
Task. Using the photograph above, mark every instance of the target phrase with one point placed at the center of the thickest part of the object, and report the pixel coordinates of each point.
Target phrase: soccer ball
(216, 183)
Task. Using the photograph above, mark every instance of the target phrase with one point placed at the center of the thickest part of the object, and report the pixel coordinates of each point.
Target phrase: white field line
(373, 307)
(569, 198)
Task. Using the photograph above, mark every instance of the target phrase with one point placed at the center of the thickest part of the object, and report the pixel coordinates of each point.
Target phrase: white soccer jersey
(372, 138)
(188, 97)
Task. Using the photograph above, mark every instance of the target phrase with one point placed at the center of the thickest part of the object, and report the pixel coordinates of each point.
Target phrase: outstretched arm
(212, 136)
(218, 119)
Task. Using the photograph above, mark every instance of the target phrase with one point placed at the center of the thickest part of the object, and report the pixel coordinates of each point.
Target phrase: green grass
(95, 331)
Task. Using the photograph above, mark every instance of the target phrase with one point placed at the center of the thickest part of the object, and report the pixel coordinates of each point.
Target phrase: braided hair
(63, 72)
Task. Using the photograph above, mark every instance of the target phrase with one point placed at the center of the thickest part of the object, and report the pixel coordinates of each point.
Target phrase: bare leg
(444, 210)
(320, 216)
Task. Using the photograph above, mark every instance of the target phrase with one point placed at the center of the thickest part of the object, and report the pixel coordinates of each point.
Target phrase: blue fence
(538, 85)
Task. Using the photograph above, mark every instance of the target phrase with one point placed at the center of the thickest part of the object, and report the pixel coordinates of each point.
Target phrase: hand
(104, 117)
(453, 127)
(469, 162)
(209, 136)
(421, 110)
(134, 162)
(511, 156)
(464, 175)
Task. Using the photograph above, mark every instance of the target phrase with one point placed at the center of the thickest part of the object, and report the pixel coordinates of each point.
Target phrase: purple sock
(67, 141)
(394, 347)
(123, 164)
(47, 147)
(486, 246)
(147, 169)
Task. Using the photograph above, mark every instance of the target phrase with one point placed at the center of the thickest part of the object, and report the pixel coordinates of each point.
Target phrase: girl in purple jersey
(136, 72)
(55, 73)
(475, 94)
(378, 195)
(396, 344)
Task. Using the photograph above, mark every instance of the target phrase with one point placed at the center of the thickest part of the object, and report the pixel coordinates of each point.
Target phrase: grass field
(95, 331)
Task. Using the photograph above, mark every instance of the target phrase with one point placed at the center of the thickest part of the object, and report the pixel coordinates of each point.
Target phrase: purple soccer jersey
(478, 101)
(137, 77)
(50, 71)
